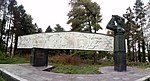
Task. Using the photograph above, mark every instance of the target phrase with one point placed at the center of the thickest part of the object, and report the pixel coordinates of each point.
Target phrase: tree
(129, 33)
(58, 28)
(36, 27)
(40, 30)
(13, 22)
(49, 29)
(27, 26)
(84, 16)
(3, 12)
(134, 31)
(147, 30)
(140, 22)
(22, 23)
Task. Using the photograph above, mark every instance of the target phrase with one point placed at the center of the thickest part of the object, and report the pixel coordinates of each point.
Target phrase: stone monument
(116, 24)
(39, 57)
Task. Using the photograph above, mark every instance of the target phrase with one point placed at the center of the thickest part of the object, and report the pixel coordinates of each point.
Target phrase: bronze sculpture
(116, 24)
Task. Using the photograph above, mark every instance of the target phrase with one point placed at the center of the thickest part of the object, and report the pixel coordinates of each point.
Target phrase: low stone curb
(9, 76)
(144, 78)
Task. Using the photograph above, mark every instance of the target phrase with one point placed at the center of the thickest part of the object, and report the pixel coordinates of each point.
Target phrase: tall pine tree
(140, 21)
(84, 16)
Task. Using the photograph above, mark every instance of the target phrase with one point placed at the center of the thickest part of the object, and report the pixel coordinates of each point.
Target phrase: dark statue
(116, 24)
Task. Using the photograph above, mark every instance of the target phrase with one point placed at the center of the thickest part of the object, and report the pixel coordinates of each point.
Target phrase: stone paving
(25, 72)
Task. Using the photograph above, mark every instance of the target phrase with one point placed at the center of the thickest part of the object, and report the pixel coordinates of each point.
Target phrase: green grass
(1, 79)
(139, 65)
(14, 60)
(147, 79)
(75, 69)
(6, 59)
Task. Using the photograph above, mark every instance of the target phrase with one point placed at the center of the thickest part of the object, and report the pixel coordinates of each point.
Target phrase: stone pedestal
(119, 53)
(39, 57)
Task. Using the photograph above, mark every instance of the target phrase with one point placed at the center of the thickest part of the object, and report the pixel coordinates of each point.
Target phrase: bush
(65, 59)
(1, 79)
(84, 54)
(3, 56)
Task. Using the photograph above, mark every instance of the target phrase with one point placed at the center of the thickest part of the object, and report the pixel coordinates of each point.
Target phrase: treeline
(84, 16)
(134, 32)
(14, 22)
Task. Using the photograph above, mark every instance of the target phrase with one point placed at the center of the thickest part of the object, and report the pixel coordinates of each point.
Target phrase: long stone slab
(67, 40)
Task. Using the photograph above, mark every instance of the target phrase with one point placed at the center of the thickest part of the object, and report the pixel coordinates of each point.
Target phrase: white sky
(52, 12)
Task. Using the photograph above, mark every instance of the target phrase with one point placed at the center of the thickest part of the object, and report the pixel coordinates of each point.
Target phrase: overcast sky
(52, 12)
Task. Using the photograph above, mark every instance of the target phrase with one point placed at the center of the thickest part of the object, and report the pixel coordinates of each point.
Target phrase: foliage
(2, 55)
(81, 57)
(147, 79)
(84, 54)
(27, 26)
(65, 59)
(1, 79)
(139, 65)
(58, 28)
(14, 60)
(14, 22)
(6, 59)
(134, 31)
(74, 69)
(49, 29)
(140, 21)
(84, 16)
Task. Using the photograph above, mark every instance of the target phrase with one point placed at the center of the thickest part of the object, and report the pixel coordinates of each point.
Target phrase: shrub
(84, 54)
(3, 56)
(65, 59)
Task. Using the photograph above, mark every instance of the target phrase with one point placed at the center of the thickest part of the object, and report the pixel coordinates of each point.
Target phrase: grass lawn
(14, 60)
(147, 79)
(89, 69)
(1, 79)
(75, 69)
(139, 65)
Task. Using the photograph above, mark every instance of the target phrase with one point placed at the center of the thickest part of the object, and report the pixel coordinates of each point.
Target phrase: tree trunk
(139, 52)
(16, 43)
(2, 31)
(8, 36)
(90, 27)
(143, 51)
(133, 54)
(95, 58)
(136, 53)
(11, 46)
(17, 28)
(129, 51)
(148, 55)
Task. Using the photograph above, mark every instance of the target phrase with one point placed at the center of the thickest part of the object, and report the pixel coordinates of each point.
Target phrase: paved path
(26, 72)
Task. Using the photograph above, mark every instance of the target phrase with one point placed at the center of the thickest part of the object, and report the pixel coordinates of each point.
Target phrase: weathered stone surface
(67, 40)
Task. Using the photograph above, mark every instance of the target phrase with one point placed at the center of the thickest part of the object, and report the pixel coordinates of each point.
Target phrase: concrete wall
(67, 40)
